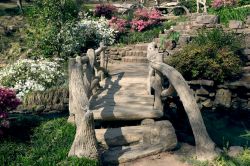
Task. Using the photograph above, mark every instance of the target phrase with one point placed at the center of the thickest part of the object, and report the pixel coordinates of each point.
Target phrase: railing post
(158, 85)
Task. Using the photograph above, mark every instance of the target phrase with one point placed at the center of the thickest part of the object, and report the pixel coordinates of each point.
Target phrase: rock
(201, 91)
(211, 94)
(147, 122)
(248, 20)
(246, 51)
(184, 39)
(223, 98)
(234, 24)
(201, 82)
(234, 151)
(200, 98)
(207, 19)
(169, 44)
(40, 108)
(207, 103)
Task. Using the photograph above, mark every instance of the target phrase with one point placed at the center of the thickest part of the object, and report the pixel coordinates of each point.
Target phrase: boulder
(223, 98)
(207, 19)
(248, 20)
(234, 24)
(234, 151)
(202, 92)
(207, 103)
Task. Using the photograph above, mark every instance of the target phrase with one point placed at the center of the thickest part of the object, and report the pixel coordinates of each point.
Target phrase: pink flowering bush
(106, 10)
(144, 19)
(8, 101)
(223, 3)
(118, 24)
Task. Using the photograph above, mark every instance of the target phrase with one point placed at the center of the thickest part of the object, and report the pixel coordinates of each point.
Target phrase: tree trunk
(85, 144)
(205, 147)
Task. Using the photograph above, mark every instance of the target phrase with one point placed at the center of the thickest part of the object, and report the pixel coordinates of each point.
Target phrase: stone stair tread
(124, 154)
(135, 59)
(126, 112)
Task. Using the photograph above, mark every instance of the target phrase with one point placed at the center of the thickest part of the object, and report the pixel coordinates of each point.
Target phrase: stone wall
(54, 100)
(228, 96)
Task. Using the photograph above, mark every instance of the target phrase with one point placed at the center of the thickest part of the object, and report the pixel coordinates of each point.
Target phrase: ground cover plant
(212, 55)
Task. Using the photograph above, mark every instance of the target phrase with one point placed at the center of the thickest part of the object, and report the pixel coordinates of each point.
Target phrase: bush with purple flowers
(8, 102)
(106, 10)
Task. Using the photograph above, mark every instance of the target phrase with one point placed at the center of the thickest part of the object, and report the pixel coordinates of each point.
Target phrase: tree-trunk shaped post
(205, 147)
(85, 143)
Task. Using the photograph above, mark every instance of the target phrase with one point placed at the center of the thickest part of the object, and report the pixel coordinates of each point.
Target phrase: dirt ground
(174, 158)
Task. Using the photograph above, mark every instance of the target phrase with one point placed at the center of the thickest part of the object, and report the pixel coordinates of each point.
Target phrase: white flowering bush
(101, 29)
(75, 38)
(31, 75)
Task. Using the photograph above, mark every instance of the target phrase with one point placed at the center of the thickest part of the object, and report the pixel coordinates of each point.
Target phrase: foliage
(212, 55)
(144, 19)
(47, 19)
(174, 36)
(190, 5)
(50, 145)
(8, 101)
(231, 13)
(244, 2)
(106, 10)
(31, 75)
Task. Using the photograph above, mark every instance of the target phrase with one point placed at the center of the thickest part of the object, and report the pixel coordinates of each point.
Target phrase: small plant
(8, 102)
(106, 10)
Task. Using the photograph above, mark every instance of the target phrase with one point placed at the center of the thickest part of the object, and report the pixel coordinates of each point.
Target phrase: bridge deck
(125, 94)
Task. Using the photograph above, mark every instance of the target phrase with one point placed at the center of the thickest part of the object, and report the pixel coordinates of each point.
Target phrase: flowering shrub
(106, 10)
(31, 75)
(118, 24)
(220, 3)
(98, 30)
(8, 101)
(145, 18)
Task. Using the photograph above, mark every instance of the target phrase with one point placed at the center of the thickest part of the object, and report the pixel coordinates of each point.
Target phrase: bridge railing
(91, 69)
(205, 147)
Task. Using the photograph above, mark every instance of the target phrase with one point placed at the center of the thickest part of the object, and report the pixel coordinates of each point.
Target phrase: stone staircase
(138, 54)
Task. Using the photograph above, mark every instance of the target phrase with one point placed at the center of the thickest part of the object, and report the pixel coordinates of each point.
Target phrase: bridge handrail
(157, 69)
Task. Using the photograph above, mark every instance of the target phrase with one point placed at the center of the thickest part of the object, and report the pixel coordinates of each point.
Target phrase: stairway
(124, 97)
(138, 54)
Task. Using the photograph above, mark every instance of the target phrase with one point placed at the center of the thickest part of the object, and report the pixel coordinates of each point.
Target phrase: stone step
(136, 53)
(246, 77)
(246, 69)
(124, 154)
(246, 52)
(134, 59)
(141, 46)
(126, 112)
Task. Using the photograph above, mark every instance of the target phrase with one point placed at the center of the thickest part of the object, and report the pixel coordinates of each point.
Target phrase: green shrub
(190, 5)
(47, 18)
(227, 14)
(212, 55)
(50, 145)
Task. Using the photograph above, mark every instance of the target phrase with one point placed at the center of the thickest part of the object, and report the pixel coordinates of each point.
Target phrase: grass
(49, 145)
(227, 14)
(224, 160)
